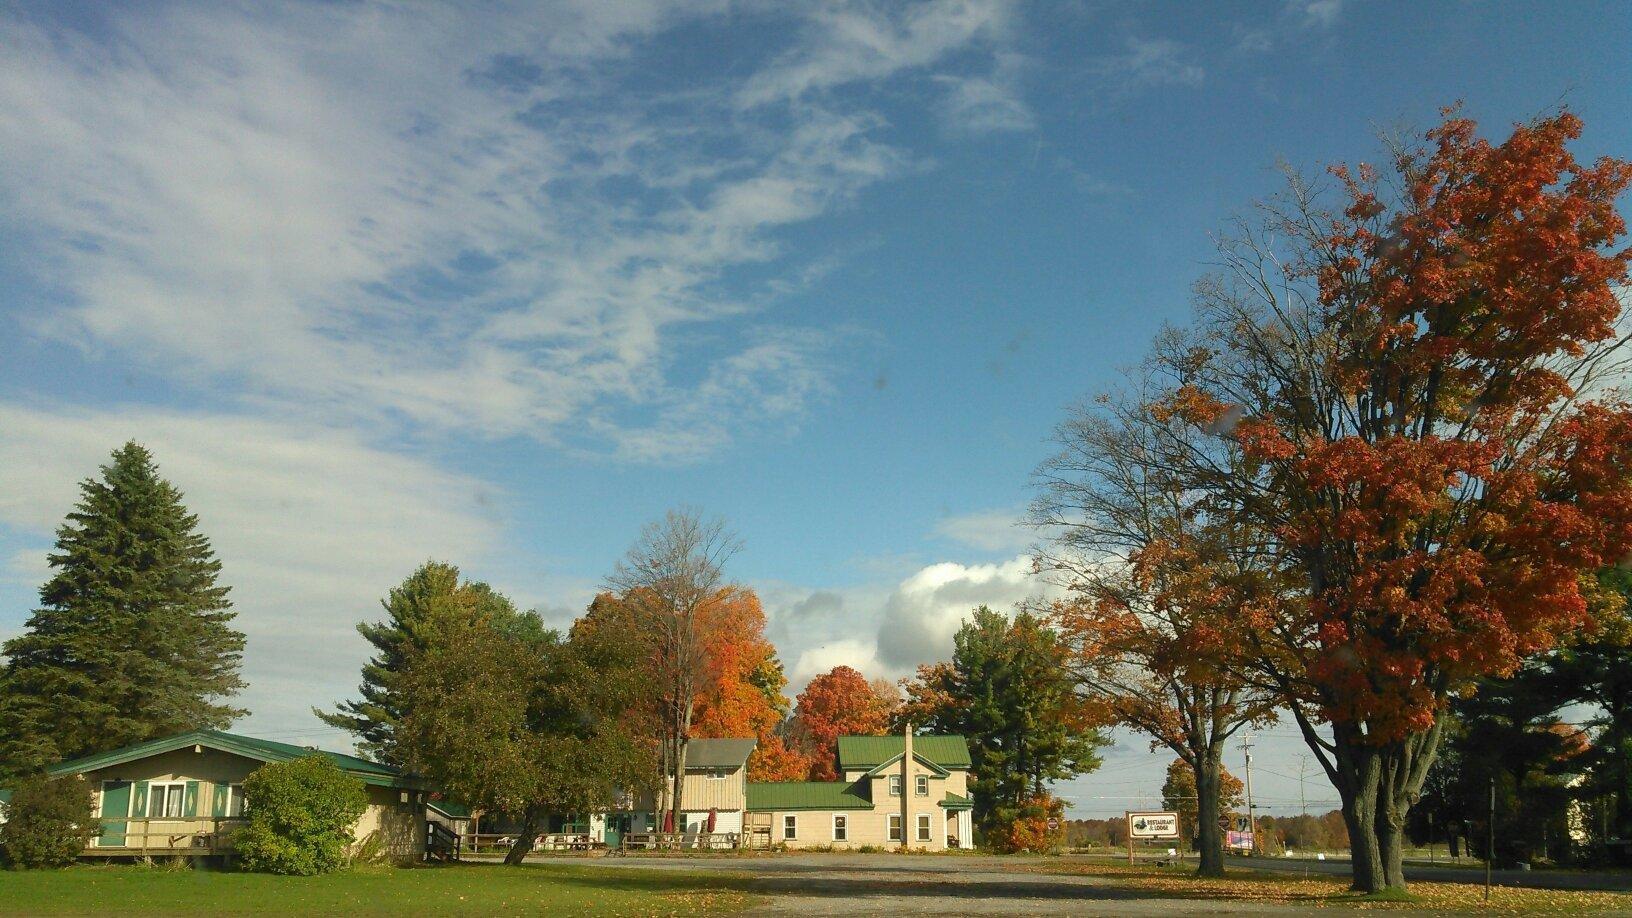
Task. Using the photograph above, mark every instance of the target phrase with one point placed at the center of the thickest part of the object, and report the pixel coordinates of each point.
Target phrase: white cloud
(987, 104)
(1318, 13)
(850, 42)
(441, 218)
(312, 527)
(858, 654)
(927, 609)
(1152, 62)
(988, 530)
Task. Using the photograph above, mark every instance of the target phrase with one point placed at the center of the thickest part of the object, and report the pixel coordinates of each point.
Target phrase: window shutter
(189, 800)
(219, 809)
(139, 808)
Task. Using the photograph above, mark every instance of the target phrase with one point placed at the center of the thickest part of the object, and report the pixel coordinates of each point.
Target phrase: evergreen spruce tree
(419, 614)
(133, 638)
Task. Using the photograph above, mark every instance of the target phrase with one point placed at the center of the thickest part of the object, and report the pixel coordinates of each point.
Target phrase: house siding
(401, 825)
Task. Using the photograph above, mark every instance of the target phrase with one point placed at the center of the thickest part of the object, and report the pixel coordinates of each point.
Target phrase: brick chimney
(906, 787)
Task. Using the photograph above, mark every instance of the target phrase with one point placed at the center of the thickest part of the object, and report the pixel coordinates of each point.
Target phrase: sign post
(1150, 825)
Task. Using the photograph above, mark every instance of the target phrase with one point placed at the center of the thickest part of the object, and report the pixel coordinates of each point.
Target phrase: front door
(616, 827)
(115, 807)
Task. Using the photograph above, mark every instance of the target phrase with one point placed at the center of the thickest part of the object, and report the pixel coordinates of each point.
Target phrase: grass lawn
(1329, 891)
(452, 890)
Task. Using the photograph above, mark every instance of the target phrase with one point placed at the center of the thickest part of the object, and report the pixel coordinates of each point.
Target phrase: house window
(922, 788)
(895, 827)
(790, 827)
(235, 801)
(923, 827)
(716, 774)
(841, 827)
(895, 785)
(164, 800)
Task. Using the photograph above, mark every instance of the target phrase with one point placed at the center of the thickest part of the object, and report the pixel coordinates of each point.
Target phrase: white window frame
(920, 785)
(895, 785)
(235, 793)
(926, 830)
(894, 831)
(154, 787)
(790, 827)
(841, 827)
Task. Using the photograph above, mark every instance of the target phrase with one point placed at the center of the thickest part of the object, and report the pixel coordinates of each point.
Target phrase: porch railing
(170, 835)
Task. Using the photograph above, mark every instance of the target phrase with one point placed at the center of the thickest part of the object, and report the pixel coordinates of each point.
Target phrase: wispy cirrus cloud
(452, 220)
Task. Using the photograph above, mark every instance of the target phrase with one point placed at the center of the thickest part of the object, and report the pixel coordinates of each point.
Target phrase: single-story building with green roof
(896, 791)
(184, 795)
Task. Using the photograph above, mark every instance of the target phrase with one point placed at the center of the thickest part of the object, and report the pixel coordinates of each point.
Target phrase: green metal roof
(868, 752)
(806, 795)
(892, 764)
(449, 808)
(247, 746)
(957, 802)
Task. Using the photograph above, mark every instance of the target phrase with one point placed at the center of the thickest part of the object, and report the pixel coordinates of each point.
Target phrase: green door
(616, 826)
(115, 806)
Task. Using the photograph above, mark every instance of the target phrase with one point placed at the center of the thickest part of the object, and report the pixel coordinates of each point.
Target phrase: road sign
(1153, 825)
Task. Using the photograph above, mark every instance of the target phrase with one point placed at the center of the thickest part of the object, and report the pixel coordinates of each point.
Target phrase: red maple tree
(1409, 392)
(836, 703)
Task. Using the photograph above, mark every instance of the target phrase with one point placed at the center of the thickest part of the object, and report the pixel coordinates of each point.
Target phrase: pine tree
(419, 613)
(133, 638)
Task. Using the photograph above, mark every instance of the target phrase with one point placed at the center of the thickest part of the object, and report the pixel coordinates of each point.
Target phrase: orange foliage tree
(836, 703)
(1155, 585)
(740, 692)
(1407, 390)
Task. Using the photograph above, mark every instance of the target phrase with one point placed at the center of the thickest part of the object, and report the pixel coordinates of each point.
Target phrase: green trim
(884, 766)
(189, 800)
(218, 806)
(247, 746)
(956, 802)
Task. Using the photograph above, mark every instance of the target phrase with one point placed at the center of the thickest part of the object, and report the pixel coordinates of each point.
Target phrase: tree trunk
(1210, 835)
(1365, 854)
(524, 838)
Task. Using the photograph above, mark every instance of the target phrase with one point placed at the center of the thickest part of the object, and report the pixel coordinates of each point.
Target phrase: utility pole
(1490, 840)
(1303, 765)
(1252, 816)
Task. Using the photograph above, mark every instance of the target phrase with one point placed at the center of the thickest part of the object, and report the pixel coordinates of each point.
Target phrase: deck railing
(164, 835)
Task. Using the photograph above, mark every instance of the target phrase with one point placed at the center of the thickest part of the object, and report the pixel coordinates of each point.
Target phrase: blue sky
(499, 284)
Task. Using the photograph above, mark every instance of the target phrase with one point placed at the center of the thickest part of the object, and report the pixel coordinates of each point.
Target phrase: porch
(199, 836)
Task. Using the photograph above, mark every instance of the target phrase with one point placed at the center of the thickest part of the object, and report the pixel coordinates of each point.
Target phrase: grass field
(455, 890)
(1242, 887)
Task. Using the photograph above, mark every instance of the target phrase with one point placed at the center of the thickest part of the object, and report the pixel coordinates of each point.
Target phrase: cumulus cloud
(311, 527)
(926, 609)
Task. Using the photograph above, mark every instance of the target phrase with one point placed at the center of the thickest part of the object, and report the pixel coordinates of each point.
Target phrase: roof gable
(885, 765)
(864, 753)
(246, 746)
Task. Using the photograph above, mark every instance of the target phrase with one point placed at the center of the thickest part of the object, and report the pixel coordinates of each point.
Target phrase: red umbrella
(713, 814)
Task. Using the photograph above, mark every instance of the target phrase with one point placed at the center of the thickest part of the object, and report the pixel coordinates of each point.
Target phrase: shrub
(299, 816)
(49, 822)
(1025, 829)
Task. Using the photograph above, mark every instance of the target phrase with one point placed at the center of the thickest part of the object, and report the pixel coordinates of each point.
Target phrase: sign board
(1153, 825)
(1240, 840)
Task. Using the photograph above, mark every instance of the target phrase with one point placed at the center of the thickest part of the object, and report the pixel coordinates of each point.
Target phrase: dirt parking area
(837, 884)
